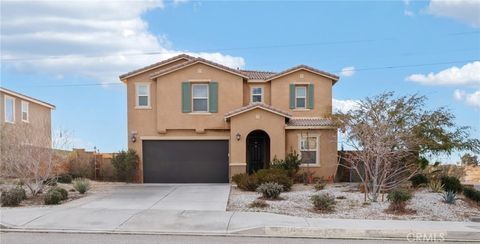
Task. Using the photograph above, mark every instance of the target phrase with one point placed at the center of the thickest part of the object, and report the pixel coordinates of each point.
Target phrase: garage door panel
(182, 161)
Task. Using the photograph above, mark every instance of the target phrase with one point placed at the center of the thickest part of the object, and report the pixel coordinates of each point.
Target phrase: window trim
(5, 109)
(137, 105)
(261, 94)
(207, 97)
(304, 97)
(317, 149)
(27, 112)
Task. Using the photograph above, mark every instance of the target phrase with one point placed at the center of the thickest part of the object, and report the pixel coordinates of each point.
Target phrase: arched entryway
(258, 151)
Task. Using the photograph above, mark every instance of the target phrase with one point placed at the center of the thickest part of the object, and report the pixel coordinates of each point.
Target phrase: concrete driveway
(163, 197)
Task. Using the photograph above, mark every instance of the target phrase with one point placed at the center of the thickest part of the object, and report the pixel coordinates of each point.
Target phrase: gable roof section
(27, 98)
(253, 106)
(304, 67)
(257, 75)
(195, 61)
(156, 65)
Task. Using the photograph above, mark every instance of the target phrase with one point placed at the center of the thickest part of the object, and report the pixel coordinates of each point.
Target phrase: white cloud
(469, 75)
(463, 10)
(348, 71)
(96, 39)
(408, 13)
(472, 99)
(344, 105)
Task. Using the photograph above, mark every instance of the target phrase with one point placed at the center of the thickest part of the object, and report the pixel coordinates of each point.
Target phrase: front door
(258, 147)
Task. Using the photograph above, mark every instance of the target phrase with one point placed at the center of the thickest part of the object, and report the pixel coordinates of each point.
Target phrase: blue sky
(69, 54)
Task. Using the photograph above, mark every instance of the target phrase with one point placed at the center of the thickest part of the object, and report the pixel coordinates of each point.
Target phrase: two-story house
(194, 120)
(25, 116)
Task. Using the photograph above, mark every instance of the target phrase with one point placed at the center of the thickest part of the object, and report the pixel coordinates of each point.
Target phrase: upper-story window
(9, 109)
(142, 95)
(25, 112)
(257, 94)
(300, 97)
(200, 97)
(309, 150)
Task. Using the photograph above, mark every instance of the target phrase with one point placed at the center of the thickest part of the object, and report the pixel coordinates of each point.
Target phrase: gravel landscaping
(428, 205)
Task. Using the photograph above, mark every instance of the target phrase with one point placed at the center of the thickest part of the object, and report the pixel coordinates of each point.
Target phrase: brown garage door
(185, 161)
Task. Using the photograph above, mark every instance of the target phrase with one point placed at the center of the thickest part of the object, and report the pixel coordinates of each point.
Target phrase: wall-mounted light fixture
(238, 136)
(134, 136)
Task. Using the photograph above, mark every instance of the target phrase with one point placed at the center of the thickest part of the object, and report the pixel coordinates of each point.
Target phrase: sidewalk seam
(137, 213)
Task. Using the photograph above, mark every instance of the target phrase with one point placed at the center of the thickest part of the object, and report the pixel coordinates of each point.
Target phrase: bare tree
(389, 134)
(28, 153)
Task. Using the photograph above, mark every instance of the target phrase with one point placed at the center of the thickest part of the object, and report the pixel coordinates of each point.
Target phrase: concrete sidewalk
(157, 221)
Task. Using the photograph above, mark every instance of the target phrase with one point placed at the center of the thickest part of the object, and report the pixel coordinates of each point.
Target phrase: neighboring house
(28, 117)
(193, 120)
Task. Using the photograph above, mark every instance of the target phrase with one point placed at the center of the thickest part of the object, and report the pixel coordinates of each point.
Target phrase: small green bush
(270, 190)
(50, 182)
(398, 199)
(323, 202)
(245, 182)
(279, 176)
(449, 197)
(62, 191)
(399, 195)
(451, 183)
(472, 194)
(64, 178)
(13, 197)
(291, 163)
(53, 197)
(319, 186)
(82, 185)
(125, 164)
(419, 180)
(435, 186)
(258, 203)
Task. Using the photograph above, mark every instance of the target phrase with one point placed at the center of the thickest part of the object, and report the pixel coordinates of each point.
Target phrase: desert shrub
(398, 199)
(472, 194)
(50, 181)
(278, 176)
(82, 185)
(419, 180)
(323, 202)
(449, 197)
(62, 191)
(291, 163)
(13, 197)
(53, 197)
(258, 203)
(64, 178)
(435, 186)
(125, 164)
(245, 182)
(270, 190)
(319, 186)
(451, 183)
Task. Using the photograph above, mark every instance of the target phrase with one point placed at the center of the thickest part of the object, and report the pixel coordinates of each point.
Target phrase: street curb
(283, 232)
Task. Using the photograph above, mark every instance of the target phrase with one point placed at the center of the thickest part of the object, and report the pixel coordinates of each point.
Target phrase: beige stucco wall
(257, 119)
(39, 120)
(327, 148)
(323, 93)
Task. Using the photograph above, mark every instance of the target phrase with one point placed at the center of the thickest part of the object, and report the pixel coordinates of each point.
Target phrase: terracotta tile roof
(321, 72)
(257, 75)
(193, 61)
(310, 121)
(181, 56)
(257, 105)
